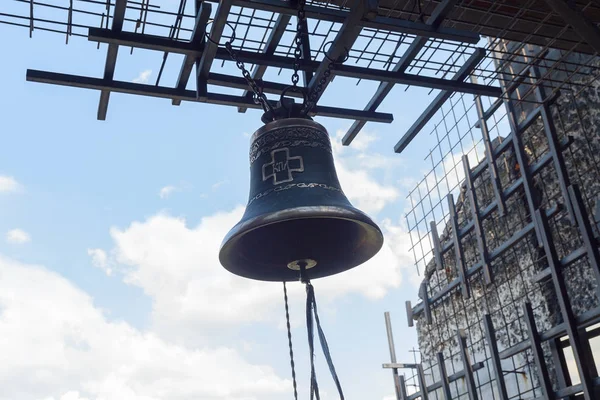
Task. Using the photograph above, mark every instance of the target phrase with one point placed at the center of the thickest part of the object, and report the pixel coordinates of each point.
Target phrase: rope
(289, 332)
(312, 316)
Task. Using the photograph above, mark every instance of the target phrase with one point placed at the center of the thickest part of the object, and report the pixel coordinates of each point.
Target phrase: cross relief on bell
(309, 220)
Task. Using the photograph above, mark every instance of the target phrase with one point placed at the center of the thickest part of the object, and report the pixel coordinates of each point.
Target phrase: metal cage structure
(505, 224)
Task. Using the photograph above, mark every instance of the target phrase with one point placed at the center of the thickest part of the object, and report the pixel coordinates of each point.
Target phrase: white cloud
(355, 172)
(363, 141)
(17, 236)
(100, 260)
(143, 77)
(217, 185)
(57, 345)
(8, 184)
(177, 265)
(166, 191)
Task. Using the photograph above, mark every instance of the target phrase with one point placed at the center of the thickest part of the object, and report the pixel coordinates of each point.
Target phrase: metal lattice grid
(510, 257)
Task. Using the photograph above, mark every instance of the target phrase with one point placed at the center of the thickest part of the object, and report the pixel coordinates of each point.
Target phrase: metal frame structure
(505, 234)
(423, 43)
(186, 36)
(522, 217)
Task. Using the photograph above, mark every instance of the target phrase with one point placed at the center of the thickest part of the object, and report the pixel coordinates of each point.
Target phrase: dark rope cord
(325, 346)
(314, 386)
(311, 308)
(289, 332)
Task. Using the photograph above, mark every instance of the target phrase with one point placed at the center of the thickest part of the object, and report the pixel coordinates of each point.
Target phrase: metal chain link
(312, 97)
(257, 93)
(298, 40)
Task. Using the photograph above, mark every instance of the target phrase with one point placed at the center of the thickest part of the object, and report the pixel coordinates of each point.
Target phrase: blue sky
(109, 283)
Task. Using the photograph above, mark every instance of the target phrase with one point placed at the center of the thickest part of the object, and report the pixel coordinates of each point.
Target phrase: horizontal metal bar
(187, 95)
(398, 365)
(565, 261)
(584, 28)
(379, 22)
(454, 377)
(344, 39)
(516, 237)
(236, 82)
(402, 78)
(436, 18)
(145, 41)
(177, 46)
(439, 100)
(584, 320)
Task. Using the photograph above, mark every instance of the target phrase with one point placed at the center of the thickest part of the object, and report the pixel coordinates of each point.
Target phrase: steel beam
(111, 56)
(390, 336)
(418, 80)
(236, 82)
(468, 370)
(444, 376)
(186, 95)
(197, 39)
(580, 24)
(344, 40)
(181, 47)
(439, 100)
(436, 18)
(477, 223)
(379, 22)
(270, 47)
(562, 298)
(490, 336)
(538, 352)
(458, 252)
(204, 64)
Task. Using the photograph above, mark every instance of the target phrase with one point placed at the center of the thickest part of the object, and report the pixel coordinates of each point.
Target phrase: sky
(110, 285)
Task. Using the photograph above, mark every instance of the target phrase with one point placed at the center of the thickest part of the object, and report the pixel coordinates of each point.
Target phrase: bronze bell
(297, 213)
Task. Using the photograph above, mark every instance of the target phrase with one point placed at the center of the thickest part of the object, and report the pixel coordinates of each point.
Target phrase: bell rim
(281, 123)
(343, 213)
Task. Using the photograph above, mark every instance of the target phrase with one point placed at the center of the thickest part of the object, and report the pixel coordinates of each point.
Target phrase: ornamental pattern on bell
(282, 166)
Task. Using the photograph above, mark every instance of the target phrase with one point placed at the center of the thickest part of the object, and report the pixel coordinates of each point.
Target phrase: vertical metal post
(562, 296)
(390, 336)
(560, 365)
(423, 296)
(437, 246)
(490, 336)
(587, 234)
(532, 200)
(422, 384)
(458, 251)
(444, 376)
(30, 18)
(538, 353)
(553, 143)
(402, 387)
(489, 154)
(467, 368)
(478, 227)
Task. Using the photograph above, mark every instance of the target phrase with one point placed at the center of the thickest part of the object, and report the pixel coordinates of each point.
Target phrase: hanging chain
(313, 96)
(289, 332)
(257, 92)
(299, 41)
